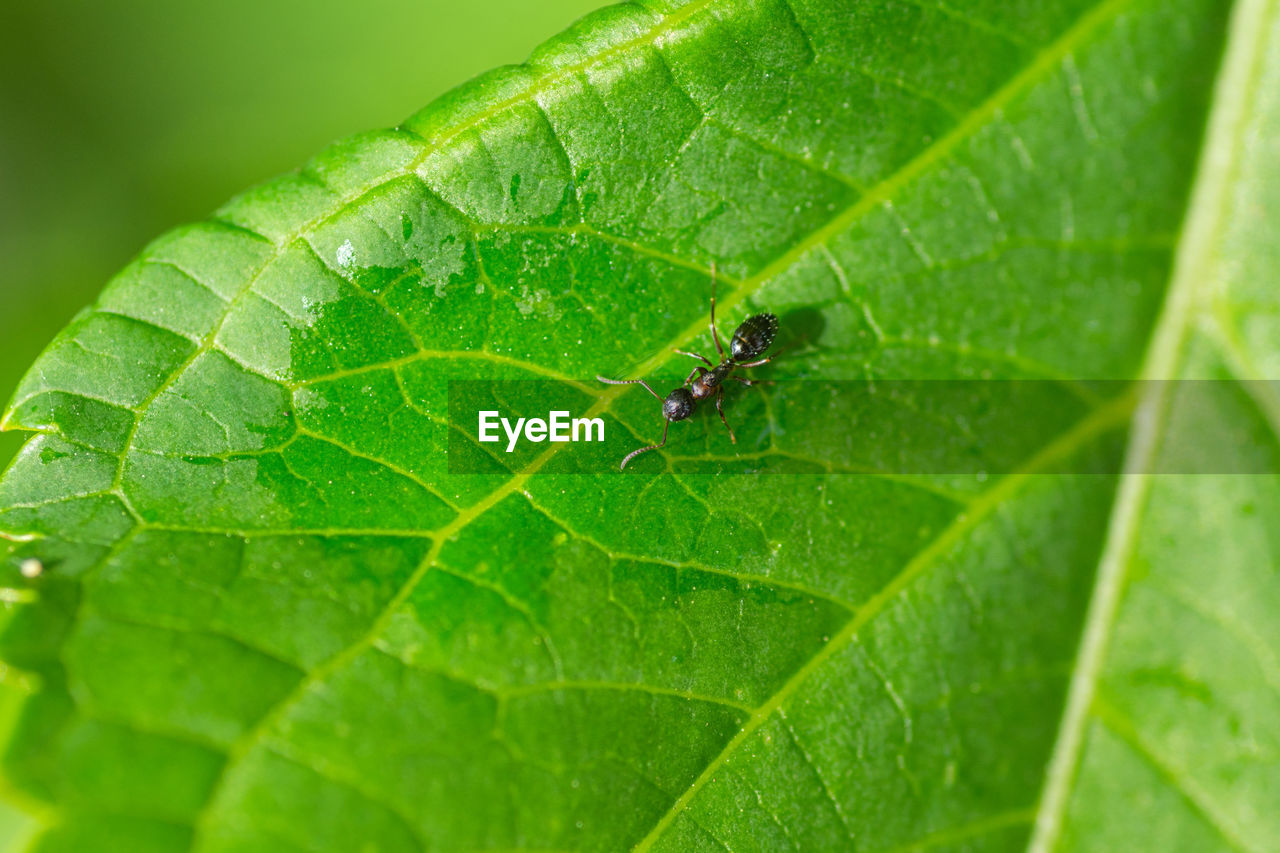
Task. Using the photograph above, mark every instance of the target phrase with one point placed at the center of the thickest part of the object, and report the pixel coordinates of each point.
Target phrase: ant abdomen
(753, 337)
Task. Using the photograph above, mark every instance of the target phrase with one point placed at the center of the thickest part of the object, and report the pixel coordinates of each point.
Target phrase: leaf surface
(1172, 732)
(271, 618)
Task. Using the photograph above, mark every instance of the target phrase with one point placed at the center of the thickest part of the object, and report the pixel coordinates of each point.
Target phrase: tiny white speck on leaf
(345, 253)
(31, 568)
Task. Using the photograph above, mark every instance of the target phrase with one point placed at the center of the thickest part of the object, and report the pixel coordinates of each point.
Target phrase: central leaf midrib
(1206, 210)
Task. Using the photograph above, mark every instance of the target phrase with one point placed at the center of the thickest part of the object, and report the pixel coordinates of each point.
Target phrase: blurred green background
(120, 120)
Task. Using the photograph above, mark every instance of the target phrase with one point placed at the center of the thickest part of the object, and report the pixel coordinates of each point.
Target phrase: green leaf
(1172, 732)
(270, 617)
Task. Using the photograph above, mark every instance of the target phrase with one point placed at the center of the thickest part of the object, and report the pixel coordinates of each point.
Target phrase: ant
(750, 340)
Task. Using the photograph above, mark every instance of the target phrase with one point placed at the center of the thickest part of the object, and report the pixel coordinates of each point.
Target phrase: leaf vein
(1099, 422)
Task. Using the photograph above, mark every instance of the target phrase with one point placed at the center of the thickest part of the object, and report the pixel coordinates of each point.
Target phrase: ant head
(678, 405)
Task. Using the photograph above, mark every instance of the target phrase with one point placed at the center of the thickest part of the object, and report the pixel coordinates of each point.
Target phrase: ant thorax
(709, 380)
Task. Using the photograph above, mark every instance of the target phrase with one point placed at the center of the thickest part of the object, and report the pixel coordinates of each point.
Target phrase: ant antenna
(629, 382)
(633, 454)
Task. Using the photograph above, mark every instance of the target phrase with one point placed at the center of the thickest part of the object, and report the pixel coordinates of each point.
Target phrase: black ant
(749, 341)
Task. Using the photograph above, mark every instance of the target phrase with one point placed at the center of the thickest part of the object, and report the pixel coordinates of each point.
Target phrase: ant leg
(758, 363)
(630, 382)
(720, 409)
(715, 335)
(772, 357)
(697, 371)
(633, 454)
(701, 358)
